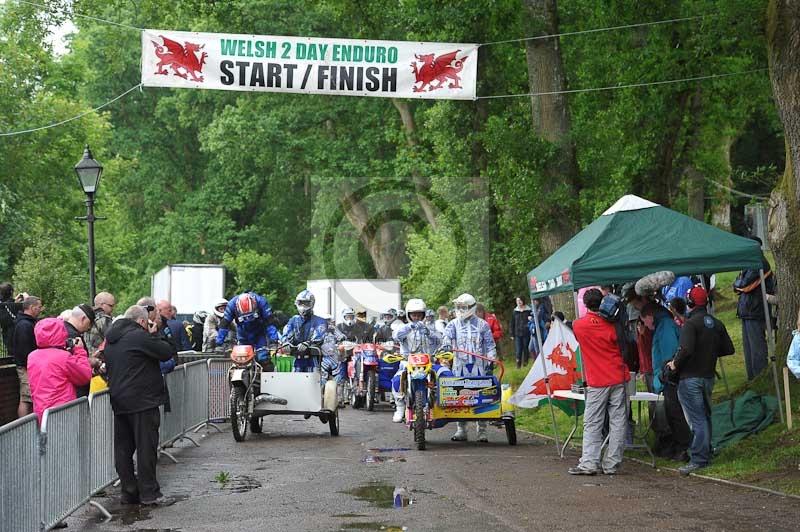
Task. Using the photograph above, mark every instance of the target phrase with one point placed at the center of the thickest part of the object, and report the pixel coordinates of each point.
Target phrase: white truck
(190, 287)
(373, 295)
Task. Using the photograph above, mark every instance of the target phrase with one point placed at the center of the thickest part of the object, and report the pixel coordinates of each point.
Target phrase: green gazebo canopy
(636, 237)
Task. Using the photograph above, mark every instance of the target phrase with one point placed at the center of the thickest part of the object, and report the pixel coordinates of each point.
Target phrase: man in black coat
(9, 308)
(23, 343)
(133, 352)
(703, 339)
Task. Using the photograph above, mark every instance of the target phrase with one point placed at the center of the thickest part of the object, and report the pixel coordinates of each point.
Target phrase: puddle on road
(129, 515)
(382, 495)
(372, 459)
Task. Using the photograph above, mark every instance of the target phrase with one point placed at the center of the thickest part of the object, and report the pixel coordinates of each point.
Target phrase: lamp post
(88, 171)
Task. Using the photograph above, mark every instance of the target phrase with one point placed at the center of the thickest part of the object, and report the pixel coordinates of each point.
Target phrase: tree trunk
(663, 175)
(551, 121)
(721, 208)
(783, 49)
(558, 209)
(380, 243)
(421, 184)
(695, 181)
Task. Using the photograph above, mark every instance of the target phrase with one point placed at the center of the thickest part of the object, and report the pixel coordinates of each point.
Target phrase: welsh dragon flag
(564, 367)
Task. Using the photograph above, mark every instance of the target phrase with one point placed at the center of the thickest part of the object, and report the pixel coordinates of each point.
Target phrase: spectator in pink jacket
(56, 368)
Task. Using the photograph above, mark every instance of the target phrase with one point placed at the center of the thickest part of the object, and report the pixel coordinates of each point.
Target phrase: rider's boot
(461, 432)
(399, 410)
(482, 437)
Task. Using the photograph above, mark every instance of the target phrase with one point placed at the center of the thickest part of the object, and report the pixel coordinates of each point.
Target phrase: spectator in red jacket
(605, 373)
(56, 367)
(494, 325)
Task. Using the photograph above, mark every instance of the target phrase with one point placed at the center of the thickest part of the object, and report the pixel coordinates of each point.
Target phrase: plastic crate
(283, 364)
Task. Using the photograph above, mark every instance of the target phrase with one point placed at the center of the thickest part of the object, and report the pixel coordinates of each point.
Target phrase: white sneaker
(461, 433)
(482, 437)
(399, 412)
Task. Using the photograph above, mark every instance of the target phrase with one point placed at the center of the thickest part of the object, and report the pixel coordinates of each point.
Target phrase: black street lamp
(89, 171)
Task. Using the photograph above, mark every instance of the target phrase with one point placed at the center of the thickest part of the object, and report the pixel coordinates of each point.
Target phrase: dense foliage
(450, 201)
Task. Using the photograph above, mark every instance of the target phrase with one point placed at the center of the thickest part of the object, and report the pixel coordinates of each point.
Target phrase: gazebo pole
(546, 373)
(771, 344)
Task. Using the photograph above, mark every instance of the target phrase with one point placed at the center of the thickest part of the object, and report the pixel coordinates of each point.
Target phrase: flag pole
(546, 373)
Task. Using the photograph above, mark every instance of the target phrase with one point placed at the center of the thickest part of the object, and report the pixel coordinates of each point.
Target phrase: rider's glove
(302, 347)
(221, 335)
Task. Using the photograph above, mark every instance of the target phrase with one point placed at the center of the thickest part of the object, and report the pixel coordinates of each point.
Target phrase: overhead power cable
(737, 192)
(62, 122)
(627, 85)
(74, 14)
(597, 30)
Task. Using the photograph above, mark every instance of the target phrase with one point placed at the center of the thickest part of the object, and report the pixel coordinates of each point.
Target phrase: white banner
(389, 69)
(562, 353)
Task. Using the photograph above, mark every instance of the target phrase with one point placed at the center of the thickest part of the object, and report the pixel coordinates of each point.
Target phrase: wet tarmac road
(295, 476)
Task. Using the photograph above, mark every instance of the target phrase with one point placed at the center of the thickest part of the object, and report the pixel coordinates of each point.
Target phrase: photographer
(605, 374)
(703, 339)
(57, 367)
(133, 352)
(9, 308)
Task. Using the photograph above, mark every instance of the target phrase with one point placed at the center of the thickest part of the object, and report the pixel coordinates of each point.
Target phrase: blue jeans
(694, 393)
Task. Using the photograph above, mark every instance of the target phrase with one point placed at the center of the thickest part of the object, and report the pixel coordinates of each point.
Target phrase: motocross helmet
(246, 307)
(430, 315)
(415, 309)
(464, 306)
(304, 302)
(388, 316)
(200, 317)
(348, 316)
(219, 307)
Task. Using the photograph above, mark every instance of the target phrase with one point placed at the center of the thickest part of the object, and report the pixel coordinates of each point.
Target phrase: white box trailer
(373, 295)
(190, 287)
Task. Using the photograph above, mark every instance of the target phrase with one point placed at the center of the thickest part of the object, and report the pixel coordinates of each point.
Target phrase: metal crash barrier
(219, 390)
(20, 487)
(51, 471)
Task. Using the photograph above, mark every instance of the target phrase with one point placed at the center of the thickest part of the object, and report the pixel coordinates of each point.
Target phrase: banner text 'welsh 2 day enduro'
(389, 69)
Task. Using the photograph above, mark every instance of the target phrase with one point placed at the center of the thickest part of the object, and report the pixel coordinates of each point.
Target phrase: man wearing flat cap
(79, 321)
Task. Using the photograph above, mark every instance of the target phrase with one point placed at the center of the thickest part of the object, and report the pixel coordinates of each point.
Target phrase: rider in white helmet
(414, 337)
(383, 329)
(211, 327)
(469, 333)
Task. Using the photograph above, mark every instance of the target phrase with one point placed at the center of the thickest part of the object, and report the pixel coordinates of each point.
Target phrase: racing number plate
(468, 391)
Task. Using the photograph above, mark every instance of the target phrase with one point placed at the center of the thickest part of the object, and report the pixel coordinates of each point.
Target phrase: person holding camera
(674, 438)
(57, 367)
(605, 374)
(134, 349)
(703, 339)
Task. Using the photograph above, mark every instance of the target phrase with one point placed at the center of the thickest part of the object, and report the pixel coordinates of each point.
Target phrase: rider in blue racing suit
(305, 330)
(469, 333)
(332, 365)
(414, 337)
(254, 323)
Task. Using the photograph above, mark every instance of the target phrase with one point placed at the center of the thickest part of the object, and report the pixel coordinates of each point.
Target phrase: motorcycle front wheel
(239, 414)
(419, 419)
(371, 390)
